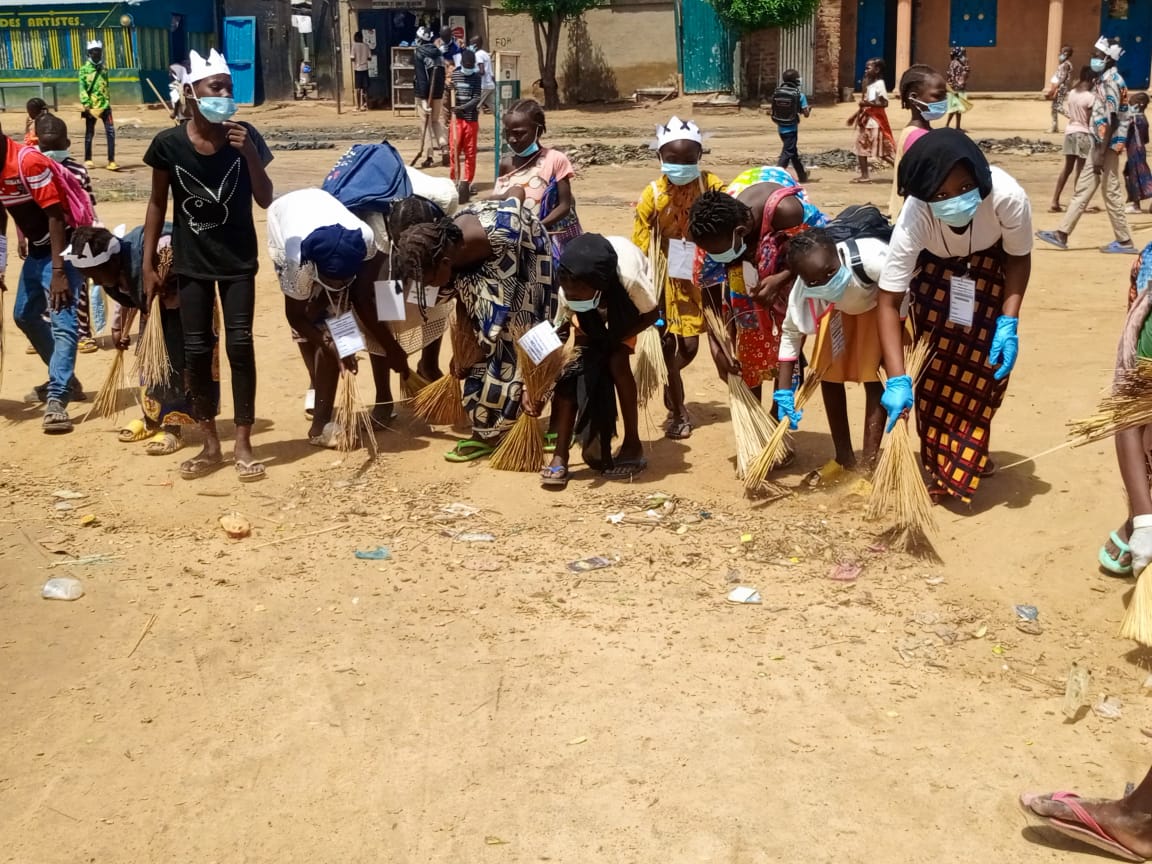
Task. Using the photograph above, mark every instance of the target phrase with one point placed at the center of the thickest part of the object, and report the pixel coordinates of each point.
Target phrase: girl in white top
(834, 298)
(873, 132)
(962, 248)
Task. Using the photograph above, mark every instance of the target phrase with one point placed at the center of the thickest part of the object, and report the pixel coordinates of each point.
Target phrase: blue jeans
(55, 342)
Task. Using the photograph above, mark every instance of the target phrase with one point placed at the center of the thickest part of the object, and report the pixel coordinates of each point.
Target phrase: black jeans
(790, 155)
(237, 302)
(90, 132)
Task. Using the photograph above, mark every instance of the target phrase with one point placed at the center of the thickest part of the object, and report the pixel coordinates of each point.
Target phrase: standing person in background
(94, 100)
(924, 92)
(873, 132)
(958, 71)
(466, 118)
(1059, 85)
(450, 53)
(428, 89)
(487, 73)
(788, 103)
(1110, 121)
(1137, 177)
(1078, 137)
(35, 107)
(361, 60)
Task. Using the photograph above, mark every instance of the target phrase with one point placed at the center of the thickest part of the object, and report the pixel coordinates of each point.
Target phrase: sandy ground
(477, 701)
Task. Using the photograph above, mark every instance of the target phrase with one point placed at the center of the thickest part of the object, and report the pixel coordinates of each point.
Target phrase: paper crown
(199, 68)
(87, 259)
(1113, 51)
(424, 34)
(95, 43)
(678, 130)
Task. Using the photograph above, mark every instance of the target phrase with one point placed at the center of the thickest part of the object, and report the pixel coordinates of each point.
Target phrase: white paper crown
(1113, 51)
(95, 43)
(199, 68)
(87, 259)
(678, 130)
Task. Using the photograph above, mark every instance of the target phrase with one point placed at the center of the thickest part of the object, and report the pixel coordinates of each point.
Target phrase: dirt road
(476, 701)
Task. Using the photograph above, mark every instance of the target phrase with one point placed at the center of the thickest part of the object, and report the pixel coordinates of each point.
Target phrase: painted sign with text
(48, 19)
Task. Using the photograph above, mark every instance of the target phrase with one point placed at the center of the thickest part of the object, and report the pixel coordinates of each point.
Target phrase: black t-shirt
(213, 235)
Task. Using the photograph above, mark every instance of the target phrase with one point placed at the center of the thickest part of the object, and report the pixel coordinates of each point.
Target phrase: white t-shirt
(876, 90)
(293, 217)
(805, 313)
(488, 81)
(361, 57)
(1005, 215)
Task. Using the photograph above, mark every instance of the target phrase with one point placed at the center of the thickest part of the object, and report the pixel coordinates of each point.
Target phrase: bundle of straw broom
(352, 417)
(651, 370)
(773, 451)
(152, 361)
(751, 424)
(109, 401)
(1127, 406)
(523, 447)
(412, 384)
(441, 402)
(897, 484)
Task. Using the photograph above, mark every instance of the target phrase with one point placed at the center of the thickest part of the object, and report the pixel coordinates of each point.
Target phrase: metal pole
(337, 66)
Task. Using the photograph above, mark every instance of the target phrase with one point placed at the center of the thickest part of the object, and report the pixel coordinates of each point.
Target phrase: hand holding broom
(441, 402)
(523, 447)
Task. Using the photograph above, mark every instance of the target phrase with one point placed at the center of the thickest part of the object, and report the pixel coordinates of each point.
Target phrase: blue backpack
(369, 177)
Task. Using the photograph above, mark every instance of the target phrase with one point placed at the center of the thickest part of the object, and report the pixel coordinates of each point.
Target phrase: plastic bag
(62, 588)
(97, 312)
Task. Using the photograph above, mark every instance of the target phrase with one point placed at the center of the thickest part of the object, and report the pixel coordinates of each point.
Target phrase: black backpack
(858, 222)
(786, 104)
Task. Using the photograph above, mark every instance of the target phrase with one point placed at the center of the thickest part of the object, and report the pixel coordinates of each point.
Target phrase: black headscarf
(926, 164)
(591, 259)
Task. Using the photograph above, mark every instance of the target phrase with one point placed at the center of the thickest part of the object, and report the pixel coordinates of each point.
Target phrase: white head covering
(1113, 51)
(424, 34)
(678, 130)
(95, 43)
(199, 68)
(87, 259)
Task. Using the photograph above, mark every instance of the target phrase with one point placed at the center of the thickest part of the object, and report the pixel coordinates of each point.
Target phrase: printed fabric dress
(758, 330)
(1137, 177)
(662, 214)
(513, 289)
(540, 178)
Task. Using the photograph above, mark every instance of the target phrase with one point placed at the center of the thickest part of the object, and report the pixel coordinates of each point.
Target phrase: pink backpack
(76, 203)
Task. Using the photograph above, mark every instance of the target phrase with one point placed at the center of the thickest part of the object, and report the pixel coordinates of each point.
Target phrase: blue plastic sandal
(1052, 238)
(1111, 565)
(1117, 248)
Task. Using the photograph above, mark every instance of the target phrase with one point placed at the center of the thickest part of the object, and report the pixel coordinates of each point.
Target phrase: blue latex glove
(897, 398)
(786, 399)
(1005, 347)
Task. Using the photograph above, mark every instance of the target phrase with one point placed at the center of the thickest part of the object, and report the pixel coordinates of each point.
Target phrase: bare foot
(1123, 821)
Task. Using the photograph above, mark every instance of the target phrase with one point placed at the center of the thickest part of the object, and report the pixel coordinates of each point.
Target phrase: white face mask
(580, 305)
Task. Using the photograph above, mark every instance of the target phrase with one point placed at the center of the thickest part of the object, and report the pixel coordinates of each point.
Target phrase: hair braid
(716, 214)
(422, 247)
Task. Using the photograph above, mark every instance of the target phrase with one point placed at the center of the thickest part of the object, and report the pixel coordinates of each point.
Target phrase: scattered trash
(1108, 708)
(1147, 685)
(1032, 628)
(861, 488)
(62, 588)
(705, 514)
(89, 521)
(999, 650)
(471, 536)
(846, 571)
(596, 562)
(235, 525)
(934, 580)
(581, 740)
(69, 495)
(733, 577)
(746, 539)
(1076, 690)
(492, 840)
(380, 553)
(877, 548)
(661, 514)
(1027, 613)
(456, 510)
(64, 506)
(85, 560)
(744, 594)
(615, 518)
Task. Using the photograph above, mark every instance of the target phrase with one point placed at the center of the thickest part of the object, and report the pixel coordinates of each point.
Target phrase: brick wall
(761, 56)
(826, 58)
(760, 51)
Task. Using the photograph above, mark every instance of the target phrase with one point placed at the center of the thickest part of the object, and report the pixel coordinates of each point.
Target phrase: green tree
(548, 17)
(748, 15)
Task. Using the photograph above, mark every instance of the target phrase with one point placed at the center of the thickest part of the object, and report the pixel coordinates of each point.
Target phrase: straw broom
(152, 361)
(1128, 405)
(773, 451)
(523, 447)
(651, 370)
(897, 484)
(1137, 623)
(352, 418)
(441, 402)
(412, 383)
(108, 401)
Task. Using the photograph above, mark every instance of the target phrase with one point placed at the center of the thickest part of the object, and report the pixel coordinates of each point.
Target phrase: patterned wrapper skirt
(956, 397)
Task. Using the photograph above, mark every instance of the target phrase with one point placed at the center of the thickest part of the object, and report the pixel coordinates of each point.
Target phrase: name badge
(346, 334)
(961, 300)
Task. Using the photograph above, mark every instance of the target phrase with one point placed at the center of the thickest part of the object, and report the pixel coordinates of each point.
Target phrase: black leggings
(90, 132)
(237, 302)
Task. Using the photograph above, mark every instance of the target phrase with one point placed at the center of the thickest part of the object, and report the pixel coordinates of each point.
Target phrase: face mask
(680, 175)
(217, 109)
(1063, 57)
(733, 254)
(468, 71)
(531, 150)
(957, 212)
(1097, 64)
(56, 155)
(580, 305)
(932, 110)
(833, 289)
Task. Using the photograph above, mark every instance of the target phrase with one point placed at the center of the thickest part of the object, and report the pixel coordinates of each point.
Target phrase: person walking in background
(873, 132)
(428, 88)
(1137, 177)
(95, 103)
(788, 103)
(361, 60)
(466, 117)
(1110, 122)
(1059, 85)
(1077, 134)
(958, 71)
(487, 73)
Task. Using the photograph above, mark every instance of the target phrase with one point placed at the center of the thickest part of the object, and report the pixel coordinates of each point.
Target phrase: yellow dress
(664, 207)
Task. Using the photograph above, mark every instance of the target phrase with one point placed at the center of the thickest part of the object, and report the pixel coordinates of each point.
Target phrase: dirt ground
(476, 701)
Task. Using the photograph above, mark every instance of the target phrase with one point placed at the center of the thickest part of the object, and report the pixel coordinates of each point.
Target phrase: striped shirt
(78, 171)
(26, 193)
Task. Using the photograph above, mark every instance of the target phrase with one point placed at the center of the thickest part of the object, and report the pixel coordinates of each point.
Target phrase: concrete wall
(609, 54)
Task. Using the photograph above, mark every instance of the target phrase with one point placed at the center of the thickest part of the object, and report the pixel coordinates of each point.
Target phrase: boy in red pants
(466, 87)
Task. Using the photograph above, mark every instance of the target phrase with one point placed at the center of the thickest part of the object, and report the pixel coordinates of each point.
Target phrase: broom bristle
(353, 420)
(152, 362)
(413, 383)
(1128, 405)
(522, 448)
(651, 370)
(440, 403)
(466, 351)
(1137, 623)
(776, 447)
(110, 401)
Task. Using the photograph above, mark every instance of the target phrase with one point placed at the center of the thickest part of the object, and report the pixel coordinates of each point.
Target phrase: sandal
(1114, 566)
(327, 437)
(249, 472)
(200, 466)
(469, 450)
(1052, 239)
(625, 469)
(1055, 208)
(679, 429)
(164, 444)
(135, 431)
(56, 419)
(554, 477)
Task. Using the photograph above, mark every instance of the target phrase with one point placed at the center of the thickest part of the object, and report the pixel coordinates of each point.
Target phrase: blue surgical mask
(680, 175)
(1063, 57)
(957, 212)
(217, 109)
(932, 110)
(580, 305)
(1097, 64)
(531, 150)
(56, 155)
(833, 289)
(468, 70)
(732, 255)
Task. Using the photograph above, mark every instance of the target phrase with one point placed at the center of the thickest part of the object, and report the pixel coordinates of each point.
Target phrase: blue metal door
(871, 32)
(705, 48)
(240, 52)
(973, 23)
(1131, 22)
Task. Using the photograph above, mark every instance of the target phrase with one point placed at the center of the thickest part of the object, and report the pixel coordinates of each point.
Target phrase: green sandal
(469, 450)
(1111, 565)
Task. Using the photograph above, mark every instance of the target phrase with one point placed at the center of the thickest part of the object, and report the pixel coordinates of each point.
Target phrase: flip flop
(1110, 565)
(1055, 208)
(469, 450)
(164, 444)
(1115, 248)
(327, 437)
(249, 472)
(1085, 829)
(57, 422)
(200, 466)
(133, 432)
(554, 477)
(1051, 238)
(625, 469)
(679, 430)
